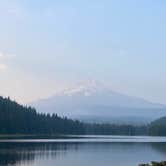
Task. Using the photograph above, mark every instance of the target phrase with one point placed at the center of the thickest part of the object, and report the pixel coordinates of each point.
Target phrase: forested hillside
(15, 118)
(18, 119)
(158, 127)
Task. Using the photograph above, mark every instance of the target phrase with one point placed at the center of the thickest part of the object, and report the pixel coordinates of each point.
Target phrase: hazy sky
(46, 45)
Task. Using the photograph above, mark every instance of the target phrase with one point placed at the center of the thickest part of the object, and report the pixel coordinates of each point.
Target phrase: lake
(82, 151)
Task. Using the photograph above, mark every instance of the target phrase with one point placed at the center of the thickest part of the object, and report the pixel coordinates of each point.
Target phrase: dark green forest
(18, 119)
(158, 127)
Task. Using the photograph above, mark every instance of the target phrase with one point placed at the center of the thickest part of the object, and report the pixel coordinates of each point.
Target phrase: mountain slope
(95, 100)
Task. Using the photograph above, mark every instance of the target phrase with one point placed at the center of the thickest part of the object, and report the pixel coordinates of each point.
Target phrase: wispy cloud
(3, 67)
(3, 58)
(6, 55)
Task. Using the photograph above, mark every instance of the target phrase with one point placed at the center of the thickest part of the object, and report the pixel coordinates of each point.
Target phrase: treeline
(158, 127)
(18, 119)
(115, 129)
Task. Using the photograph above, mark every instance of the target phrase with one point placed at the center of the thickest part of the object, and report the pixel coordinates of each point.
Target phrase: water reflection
(13, 153)
(35, 154)
(160, 147)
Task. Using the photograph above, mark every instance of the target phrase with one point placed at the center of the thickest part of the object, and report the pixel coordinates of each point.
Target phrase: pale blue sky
(47, 45)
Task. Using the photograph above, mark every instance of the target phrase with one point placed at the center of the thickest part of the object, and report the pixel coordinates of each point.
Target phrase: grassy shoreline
(33, 136)
(40, 136)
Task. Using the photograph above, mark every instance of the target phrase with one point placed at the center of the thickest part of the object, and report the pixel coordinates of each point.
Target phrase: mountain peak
(92, 83)
(85, 87)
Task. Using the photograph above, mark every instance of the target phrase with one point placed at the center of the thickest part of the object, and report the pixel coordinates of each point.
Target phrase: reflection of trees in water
(10, 158)
(11, 154)
(14, 153)
(160, 147)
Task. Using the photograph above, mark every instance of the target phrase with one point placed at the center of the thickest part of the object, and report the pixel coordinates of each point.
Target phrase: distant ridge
(94, 99)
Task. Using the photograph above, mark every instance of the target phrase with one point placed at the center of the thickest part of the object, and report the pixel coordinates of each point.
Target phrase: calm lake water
(87, 151)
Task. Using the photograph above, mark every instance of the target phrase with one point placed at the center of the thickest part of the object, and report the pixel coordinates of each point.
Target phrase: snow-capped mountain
(95, 100)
